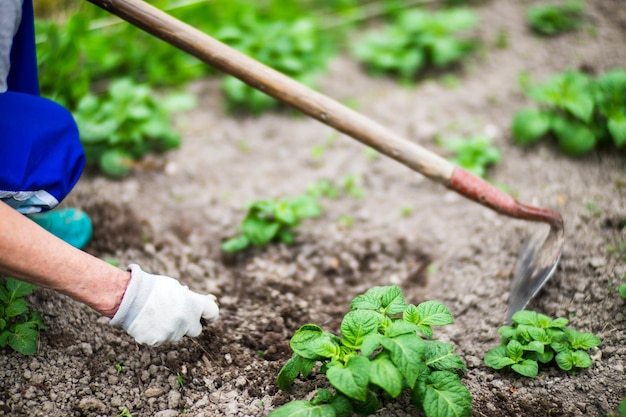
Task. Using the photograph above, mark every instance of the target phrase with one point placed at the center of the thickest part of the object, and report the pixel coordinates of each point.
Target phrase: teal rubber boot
(69, 224)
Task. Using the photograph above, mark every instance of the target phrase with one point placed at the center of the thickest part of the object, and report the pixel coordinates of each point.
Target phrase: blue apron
(41, 157)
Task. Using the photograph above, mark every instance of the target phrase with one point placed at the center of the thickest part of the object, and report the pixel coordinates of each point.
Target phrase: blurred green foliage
(418, 39)
(83, 51)
(123, 125)
(553, 19)
(581, 111)
(475, 153)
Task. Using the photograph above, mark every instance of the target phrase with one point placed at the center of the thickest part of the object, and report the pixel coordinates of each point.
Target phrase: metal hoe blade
(537, 262)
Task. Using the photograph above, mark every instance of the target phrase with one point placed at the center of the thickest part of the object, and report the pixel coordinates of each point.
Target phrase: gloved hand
(157, 309)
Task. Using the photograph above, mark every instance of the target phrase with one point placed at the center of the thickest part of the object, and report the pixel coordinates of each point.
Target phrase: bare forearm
(30, 253)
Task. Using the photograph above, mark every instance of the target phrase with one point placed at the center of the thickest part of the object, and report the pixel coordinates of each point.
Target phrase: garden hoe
(539, 256)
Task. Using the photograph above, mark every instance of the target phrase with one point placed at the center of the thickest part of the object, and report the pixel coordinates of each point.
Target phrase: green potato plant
(475, 153)
(418, 39)
(554, 19)
(122, 126)
(19, 325)
(272, 220)
(385, 347)
(535, 339)
(582, 112)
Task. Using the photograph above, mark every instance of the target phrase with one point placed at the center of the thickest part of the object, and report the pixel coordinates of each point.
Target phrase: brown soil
(171, 216)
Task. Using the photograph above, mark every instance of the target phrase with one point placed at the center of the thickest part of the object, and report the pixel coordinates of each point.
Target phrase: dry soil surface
(171, 215)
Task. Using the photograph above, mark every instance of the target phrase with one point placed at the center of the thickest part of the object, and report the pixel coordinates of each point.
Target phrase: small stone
(597, 262)
(173, 399)
(241, 382)
(166, 413)
(90, 404)
(116, 401)
(219, 396)
(86, 349)
(153, 392)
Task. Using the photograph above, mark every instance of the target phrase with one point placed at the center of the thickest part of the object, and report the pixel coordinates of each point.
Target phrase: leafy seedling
(418, 40)
(535, 339)
(272, 220)
(554, 19)
(180, 381)
(385, 347)
(125, 413)
(474, 153)
(129, 121)
(19, 326)
(581, 112)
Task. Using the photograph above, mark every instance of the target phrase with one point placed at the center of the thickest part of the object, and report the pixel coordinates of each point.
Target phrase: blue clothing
(41, 157)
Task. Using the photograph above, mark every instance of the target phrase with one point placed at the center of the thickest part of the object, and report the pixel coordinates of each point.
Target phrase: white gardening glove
(157, 309)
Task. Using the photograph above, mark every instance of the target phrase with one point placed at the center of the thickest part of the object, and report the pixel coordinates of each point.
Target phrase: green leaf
(260, 231)
(285, 213)
(302, 408)
(4, 337)
(433, 313)
(16, 307)
(540, 335)
(116, 163)
(535, 346)
(515, 350)
(559, 323)
(497, 358)
(356, 325)
(352, 378)
(410, 314)
(305, 206)
(311, 342)
(342, 406)
(371, 343)
(289, 372)
(16, 288)
(565, 360)
(399, 327)
(544, 357)
(24, 339)
(235, 244)
(406, 352)
(617, 127)
(581, 359)
(574, 137)
(446, 396)
(179, 102)
(525, 317)
(440, 356)
(392, 300)
(307, 367)
(580, 340)
(527, 367)
(365, 302)
(507, 332)
(384, 374)
(369, 406)
(530, 125)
